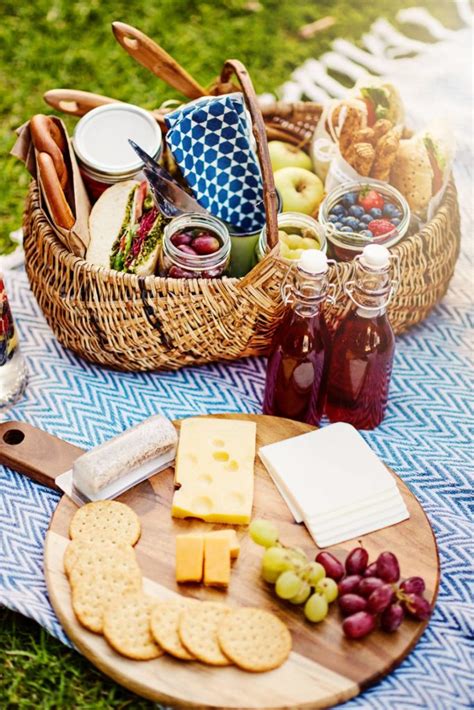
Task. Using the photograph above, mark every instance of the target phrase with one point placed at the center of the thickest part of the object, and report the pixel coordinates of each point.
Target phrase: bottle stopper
(313, 261)
(375, 256)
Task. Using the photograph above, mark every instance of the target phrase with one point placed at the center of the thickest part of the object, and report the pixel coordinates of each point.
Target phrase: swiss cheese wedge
(215, 470)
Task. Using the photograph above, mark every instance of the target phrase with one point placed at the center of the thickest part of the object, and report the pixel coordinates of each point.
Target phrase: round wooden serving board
(324, 668)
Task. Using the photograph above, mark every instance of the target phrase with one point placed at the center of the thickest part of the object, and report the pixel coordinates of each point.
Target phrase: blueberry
(338, 209)
(350, 199)
(356, 211)
(362, 225)
(366, 218)
(334, 218)
(345, 228)
(395, 221)
(376, 213)
(351, 222)
(338, 225)
(366, 233)
(390, 210)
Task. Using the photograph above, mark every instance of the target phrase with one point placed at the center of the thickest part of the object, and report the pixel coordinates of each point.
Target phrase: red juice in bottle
(363, 346)
(297, 367)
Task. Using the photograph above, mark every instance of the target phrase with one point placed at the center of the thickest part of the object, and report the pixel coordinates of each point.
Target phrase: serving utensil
(77, 103)
(153, 57)
(169, 196)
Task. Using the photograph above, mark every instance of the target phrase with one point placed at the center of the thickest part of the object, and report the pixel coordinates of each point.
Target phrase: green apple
(285, 155)
(300, 190)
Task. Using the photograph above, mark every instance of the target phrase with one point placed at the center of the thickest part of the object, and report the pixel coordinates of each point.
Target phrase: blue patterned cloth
(210, 139)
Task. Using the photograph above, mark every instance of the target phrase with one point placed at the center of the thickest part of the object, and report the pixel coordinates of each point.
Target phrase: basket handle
(153, 57)
(234, 66)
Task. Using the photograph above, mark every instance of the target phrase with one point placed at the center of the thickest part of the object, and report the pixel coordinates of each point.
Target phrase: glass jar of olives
(195, 246)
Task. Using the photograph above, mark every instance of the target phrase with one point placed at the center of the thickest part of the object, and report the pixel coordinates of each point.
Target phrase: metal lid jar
(179, 259)
(290, 222)
(101, 145)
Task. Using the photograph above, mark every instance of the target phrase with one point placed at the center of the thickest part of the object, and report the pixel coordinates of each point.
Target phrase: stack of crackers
(108, 598)
(370, 151)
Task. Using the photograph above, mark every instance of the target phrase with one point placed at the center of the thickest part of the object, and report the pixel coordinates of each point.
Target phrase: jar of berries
(195, 246)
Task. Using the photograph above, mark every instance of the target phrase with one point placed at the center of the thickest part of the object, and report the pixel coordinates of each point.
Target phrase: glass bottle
(363, 345)
(298, 362)
(13, 373)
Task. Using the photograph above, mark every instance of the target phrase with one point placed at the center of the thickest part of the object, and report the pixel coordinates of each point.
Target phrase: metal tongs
(169, 196)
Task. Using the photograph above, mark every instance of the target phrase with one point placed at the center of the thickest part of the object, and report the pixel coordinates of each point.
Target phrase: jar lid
(101, 137)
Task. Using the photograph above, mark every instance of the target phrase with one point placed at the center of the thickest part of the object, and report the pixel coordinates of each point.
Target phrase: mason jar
(302, 226)
(179, 259)
(344, 243)
(102, 149)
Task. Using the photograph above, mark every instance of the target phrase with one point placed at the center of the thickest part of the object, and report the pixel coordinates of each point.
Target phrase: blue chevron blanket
(426, 437)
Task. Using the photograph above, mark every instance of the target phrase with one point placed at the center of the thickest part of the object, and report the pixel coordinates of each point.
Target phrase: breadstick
(363, 159)
(352, 123)
(385, 153)
(381, 127)
(365, 135)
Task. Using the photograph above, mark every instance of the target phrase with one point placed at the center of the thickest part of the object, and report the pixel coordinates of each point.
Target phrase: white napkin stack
(333, 482)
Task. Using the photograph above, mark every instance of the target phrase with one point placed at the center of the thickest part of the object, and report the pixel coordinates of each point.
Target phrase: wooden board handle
(75, 102)
(33, 452)
(153, 57)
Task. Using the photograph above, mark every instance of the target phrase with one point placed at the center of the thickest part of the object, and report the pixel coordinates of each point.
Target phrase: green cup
(243, 249)
(242, 254)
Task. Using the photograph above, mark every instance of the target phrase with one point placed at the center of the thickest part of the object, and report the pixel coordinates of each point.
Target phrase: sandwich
(126, 229)
(381, 100)
(422, 165)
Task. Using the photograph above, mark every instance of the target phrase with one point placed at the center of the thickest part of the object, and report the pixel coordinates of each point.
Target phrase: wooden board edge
(423, 625)
(347, 688)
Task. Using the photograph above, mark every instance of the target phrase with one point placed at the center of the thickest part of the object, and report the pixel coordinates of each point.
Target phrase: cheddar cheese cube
(189, 557)
(231, 535)
(216, 561)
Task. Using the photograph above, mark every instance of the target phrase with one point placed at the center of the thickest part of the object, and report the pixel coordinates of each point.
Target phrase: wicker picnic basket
(135, 324)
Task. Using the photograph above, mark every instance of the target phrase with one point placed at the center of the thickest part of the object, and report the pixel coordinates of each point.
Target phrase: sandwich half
(422, 165)
(126, 229)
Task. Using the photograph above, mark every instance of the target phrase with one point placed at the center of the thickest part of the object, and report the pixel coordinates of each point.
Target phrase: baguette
(48, 138)
(54, 193)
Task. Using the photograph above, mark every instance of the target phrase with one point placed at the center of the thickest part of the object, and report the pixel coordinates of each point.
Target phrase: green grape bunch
(296, 579)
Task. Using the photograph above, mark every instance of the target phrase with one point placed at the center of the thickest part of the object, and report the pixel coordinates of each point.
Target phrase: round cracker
(84, 549)
(254, 639)
(164, 624)
(106, 520)
(92, 594)
(127, 627)
(102, 563)
(198, 632)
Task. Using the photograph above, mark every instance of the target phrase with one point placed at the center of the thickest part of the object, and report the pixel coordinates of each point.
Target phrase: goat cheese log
(107, 463)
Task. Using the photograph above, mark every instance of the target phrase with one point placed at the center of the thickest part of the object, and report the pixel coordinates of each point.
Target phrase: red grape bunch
(370, 592)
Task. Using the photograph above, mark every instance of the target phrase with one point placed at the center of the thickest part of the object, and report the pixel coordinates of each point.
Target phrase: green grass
(37, 671)
(47, 44)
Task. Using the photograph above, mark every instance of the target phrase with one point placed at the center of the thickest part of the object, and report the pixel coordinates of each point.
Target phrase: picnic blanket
(426, 436)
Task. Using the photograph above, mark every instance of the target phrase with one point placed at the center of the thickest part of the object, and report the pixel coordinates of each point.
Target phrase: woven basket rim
(78, 263)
